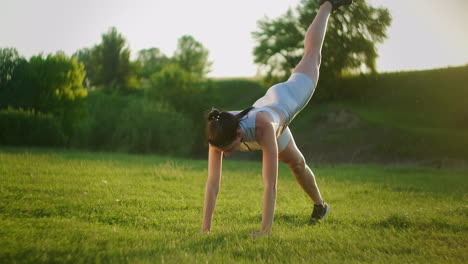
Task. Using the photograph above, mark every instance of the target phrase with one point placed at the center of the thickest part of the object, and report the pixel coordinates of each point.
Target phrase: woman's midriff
(281, 116)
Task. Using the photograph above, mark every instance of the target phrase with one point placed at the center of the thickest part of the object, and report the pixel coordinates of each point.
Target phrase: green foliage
(88, 58)
(15, 91)
(80, 207)
(58, 81)
(29, 128)
(350, 43)
(108, 64)
(134, 124)
(280, 45)
(9, 60)
(155, 130)
(114, 58)
(184, 94)
(192, 56)
(104, 113)
(151, 61)
(177, 94)
(49, 85)
(174, 85)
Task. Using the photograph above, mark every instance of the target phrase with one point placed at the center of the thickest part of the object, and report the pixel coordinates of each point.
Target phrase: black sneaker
(335, 3)
(319, 213)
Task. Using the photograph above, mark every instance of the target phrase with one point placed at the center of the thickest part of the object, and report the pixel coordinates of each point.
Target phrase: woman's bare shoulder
(263, 122)
(263, 119)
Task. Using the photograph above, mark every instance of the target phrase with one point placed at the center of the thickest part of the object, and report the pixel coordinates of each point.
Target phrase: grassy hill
(417, 117)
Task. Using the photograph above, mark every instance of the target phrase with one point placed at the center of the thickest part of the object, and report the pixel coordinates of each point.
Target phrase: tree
(9, 60)
(113, 68)
(175, 86)
(87, 56)
(151, 60)
(350, 43)
(192, 56)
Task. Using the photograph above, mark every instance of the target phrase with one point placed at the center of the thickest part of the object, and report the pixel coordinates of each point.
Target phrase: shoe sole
(327, 208)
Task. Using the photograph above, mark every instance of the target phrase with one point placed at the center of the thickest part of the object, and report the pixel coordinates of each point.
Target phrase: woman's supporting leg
(304, 176)
(310, 62)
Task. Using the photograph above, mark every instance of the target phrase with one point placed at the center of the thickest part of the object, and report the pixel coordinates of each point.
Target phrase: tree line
(56, 88)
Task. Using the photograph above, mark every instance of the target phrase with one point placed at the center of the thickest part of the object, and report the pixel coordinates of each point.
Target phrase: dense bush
(134, 124)
(103, 116)
(29, 128)
(148, 127)
(185, 94)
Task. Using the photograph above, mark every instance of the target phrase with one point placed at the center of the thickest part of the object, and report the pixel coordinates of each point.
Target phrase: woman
(264, 126)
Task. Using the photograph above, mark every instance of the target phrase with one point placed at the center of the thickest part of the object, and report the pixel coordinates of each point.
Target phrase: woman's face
(234, 146)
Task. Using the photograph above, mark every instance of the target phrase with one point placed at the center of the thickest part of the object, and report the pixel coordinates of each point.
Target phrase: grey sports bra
(247, 124)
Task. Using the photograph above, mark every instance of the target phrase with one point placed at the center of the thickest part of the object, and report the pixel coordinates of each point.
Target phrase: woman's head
(223, 128)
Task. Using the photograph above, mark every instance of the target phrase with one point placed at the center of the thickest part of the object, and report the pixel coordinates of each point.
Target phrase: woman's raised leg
(310, 62)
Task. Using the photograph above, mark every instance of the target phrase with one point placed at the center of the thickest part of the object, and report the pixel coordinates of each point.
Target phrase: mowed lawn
(59, 206)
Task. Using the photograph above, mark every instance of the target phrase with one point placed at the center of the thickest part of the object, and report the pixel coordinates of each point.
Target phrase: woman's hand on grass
(259, 234)
(202, 233)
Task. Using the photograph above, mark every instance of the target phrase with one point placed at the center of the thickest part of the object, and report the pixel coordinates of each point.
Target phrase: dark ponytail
(221, 128)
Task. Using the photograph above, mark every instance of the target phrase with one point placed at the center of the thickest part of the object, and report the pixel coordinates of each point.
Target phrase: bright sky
(424, 34)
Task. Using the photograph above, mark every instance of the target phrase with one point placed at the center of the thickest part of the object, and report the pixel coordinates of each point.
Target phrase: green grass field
(60, 206)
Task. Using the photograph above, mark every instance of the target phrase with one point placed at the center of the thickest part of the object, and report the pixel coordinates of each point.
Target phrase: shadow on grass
(208, 243)
(290, 220)
(293, 220)
(404, 222)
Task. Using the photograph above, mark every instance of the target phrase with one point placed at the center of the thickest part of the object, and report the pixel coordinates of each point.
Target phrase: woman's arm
(215, 160)
(267, 140)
